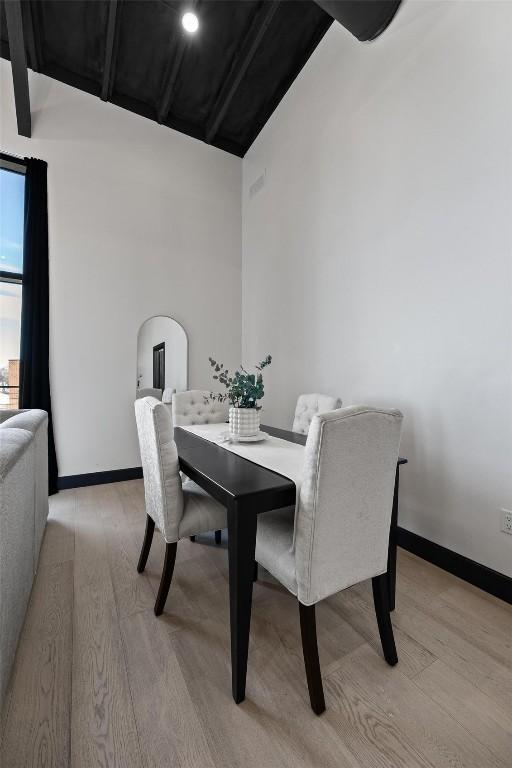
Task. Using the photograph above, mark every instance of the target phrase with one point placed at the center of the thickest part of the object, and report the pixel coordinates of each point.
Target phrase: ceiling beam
(109, 65)
(33, 55)
(168, 90)
(239, 66)
(19, 66)
(365, 19)
(164, 106)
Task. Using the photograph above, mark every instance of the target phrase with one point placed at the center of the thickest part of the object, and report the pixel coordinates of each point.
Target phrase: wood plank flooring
(99, 681)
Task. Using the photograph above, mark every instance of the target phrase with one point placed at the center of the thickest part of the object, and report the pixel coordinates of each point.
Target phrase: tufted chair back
(308, 406)
(346, 498)
(159, 455)
(190, 408)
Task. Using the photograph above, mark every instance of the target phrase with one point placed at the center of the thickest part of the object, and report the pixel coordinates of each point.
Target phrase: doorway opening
(159, 366)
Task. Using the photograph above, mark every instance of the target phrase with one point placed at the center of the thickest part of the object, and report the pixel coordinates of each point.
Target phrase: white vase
(244, 422)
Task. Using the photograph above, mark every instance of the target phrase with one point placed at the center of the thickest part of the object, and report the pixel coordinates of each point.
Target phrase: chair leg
(218, 537)
(165, 581)
(381, 600)
(311, 660)
(255, 574)
(146, 544)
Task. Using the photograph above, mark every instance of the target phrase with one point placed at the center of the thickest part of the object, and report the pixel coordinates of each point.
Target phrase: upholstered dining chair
(190, 407)
(178, 509)
(308, 406)
(339, 535)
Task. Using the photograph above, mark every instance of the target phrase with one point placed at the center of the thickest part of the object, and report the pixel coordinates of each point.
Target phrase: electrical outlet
(506, 521)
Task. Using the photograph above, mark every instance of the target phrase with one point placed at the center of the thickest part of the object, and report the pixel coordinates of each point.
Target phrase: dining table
(247, 488)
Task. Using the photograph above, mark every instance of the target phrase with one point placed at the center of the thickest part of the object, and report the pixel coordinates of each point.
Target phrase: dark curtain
(35, 326)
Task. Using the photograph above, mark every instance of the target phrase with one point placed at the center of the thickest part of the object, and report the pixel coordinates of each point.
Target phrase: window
(12, 191)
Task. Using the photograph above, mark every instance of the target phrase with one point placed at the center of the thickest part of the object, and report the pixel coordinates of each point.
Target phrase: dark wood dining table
(246, 490)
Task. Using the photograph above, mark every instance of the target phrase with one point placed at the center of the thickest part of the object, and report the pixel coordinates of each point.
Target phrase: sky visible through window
(12, 188)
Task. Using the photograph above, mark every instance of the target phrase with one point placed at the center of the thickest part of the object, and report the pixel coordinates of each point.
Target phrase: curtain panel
(35, 321)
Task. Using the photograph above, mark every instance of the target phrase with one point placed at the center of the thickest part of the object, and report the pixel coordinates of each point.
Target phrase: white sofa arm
(17, 476)
(4, 415)
(35, 421)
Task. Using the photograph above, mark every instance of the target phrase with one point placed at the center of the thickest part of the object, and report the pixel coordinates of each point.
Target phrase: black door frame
(159, 366)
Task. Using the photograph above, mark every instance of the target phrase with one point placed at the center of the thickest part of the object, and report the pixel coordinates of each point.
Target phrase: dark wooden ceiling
(220, 85)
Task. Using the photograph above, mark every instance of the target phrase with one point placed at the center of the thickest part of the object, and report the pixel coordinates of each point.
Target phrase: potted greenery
(243, 391)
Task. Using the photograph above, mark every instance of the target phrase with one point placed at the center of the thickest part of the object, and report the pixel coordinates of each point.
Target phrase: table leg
(241, 549)
(393, 544)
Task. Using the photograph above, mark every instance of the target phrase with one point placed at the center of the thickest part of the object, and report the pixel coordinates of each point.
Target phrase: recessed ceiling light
(190, 22)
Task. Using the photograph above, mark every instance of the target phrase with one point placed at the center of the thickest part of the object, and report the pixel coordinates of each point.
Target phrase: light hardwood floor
(99, 681)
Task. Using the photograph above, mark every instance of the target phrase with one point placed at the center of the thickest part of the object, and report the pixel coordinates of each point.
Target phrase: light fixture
(190, 22)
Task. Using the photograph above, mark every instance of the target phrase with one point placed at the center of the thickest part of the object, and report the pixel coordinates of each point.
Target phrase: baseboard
(99, 478)
(479, 575)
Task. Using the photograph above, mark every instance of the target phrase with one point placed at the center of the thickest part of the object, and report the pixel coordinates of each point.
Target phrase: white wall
(143, 221)
(377, 257)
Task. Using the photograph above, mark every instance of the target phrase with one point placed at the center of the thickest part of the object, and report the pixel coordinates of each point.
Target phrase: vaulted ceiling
(219, 85)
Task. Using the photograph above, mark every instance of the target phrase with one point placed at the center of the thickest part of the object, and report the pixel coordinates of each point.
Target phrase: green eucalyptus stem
(243, 389)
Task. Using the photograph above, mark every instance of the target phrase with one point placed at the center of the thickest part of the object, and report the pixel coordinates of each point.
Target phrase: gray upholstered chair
(308, 406)
(190, 407)
(179, 510)
(339, 535)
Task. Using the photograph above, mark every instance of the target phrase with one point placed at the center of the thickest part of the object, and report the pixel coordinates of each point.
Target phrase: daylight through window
(12, 189)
